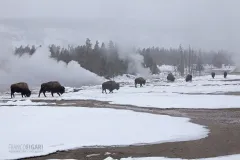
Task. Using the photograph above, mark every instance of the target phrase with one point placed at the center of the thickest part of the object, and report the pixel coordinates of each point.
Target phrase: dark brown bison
(53, 87)
(170, 77)
(225, 74)
(188, 78)
(213, 74)
(140, 80)
(110, 85)
(20, 87)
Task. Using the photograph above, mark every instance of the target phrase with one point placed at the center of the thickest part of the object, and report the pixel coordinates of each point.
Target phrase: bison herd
(56, 87)
(52, 86)
(111, 85)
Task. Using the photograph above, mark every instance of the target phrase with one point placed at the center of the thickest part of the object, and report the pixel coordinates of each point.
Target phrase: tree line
(105, 60)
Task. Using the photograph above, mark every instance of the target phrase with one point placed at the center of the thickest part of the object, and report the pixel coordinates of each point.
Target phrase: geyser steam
(40, 68)
(135, 60)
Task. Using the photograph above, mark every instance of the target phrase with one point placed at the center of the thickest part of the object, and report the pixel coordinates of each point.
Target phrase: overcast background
(206, 24)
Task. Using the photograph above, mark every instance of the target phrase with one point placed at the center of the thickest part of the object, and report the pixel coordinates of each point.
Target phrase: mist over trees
(106, 59)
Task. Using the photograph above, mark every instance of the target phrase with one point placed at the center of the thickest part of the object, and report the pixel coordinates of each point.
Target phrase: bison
(225, 74)
(140, 81)
(189, 78)
(170, 77)
(110, 85)
(53, 87)
(20, 87)
(213, 74)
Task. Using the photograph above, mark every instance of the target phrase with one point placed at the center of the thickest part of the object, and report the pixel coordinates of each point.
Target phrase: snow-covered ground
(230, 157)
(160, 93)
(69, 127)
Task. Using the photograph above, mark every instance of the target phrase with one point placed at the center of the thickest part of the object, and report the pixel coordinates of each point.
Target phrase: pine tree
(96, 47)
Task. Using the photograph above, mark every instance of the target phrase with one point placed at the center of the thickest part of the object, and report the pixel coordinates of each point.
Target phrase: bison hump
(20, 85)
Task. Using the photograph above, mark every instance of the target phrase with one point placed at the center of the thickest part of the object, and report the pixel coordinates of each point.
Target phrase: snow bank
(23, 103)
(69, 127)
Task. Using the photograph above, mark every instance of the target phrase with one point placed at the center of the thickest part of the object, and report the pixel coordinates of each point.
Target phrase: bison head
(144, 81)
(117, 86)
(28, 93)
(62, 90)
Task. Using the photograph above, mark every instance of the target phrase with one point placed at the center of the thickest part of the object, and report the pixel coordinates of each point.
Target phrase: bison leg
(105, 91)
(135, 85)
(40, 92)
(12, 94)
(140, 84)
(58, 93)
(44, 94)
(22, 95)
(52, 94)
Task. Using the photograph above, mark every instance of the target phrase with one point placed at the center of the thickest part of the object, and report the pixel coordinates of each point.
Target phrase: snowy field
(159, 93)
(70, 127)
(95, 127)
(162, 94)
(230, 157)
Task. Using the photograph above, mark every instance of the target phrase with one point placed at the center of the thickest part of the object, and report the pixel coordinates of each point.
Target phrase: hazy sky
(208, 24)
(162, 10)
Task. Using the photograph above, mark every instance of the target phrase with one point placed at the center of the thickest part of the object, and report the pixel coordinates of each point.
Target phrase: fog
(201, 23)
(209, 25)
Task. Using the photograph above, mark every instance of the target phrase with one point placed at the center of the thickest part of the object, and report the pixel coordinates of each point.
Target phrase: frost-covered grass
(70, 127)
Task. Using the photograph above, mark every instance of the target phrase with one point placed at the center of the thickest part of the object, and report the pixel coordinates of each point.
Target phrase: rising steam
(40, 68)
(134, 59)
